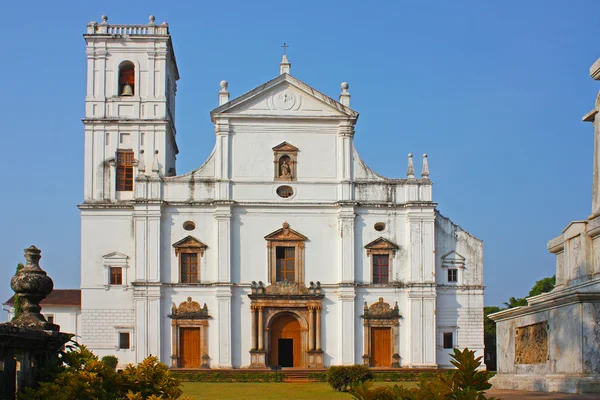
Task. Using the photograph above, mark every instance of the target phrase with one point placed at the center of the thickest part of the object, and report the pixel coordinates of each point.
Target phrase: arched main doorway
(285, 338)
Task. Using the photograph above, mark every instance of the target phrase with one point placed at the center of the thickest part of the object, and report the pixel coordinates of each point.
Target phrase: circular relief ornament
(285, 191)
(189, 225)
(285, 100)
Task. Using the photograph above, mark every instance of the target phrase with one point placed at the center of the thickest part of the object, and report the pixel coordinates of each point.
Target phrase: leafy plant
(83, 377)
(111, 361)
(467, 382)
(341, 377)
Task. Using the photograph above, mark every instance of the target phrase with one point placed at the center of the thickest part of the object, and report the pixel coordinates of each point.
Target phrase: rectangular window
(448, 340)
(452, 275)
(285, 264)
(189, 267)
(381, 268)
(124, 171)
(50, 318)
(116, 276)
(124, 340)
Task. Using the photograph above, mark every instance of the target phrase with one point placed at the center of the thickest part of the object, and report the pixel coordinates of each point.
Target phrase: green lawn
(267, 391)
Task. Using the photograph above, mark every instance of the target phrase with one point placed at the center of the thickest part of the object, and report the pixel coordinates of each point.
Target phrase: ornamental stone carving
(381, 310)
(31, 285)
(531, 343)
(189, 310)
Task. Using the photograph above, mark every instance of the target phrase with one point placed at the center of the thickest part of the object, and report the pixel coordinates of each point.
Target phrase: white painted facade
(232, 200)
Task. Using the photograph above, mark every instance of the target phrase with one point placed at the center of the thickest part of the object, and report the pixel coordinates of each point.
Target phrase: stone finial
(141, 163)
(285, 66)
(345, 95)
(151, 19)
(425, 169)
(104, 20)
(223, 93)
(410, 171)
(31, 285)
(155, 167)
(285, 225)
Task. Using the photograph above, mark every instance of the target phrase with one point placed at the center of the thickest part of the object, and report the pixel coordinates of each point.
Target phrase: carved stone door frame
(381, 315)
(189, 314)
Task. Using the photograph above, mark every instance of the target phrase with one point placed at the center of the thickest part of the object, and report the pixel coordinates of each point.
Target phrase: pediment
(284, 96)
(285, 233)
(189, 243)
(453, 259)
(285, 147)
(115, 255)
(382, 244)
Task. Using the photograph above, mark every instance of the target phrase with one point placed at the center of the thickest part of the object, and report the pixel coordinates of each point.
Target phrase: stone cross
(285, 46)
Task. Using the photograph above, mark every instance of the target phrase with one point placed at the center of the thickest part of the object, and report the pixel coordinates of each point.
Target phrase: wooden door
(286, 327)
(189, 348)
(381, 347)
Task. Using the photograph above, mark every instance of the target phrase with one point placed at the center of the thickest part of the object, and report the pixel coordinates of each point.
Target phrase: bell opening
(126, 79)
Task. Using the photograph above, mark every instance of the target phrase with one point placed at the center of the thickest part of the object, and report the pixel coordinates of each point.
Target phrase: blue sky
(493, 92)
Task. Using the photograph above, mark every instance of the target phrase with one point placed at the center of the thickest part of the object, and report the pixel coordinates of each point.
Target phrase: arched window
(126, 79)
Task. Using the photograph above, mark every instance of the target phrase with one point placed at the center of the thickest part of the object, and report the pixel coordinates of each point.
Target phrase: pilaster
(146, 221)
(346, 216)
(223, 220)
(222, 167)
(346, 325)
(344, 159)
(223, 322)
(421, 242)
(147, 299)
(422, 322)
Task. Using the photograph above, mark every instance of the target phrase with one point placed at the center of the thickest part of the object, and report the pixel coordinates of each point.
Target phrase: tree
(543, 286)
(17, 307)
(515, 302)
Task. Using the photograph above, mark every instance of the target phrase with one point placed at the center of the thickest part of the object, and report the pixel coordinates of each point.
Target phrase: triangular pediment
(382, 243)
(285, 146)
(286, 234)
(115, 255)
(284, 96)
(453, 259)
(189, 242)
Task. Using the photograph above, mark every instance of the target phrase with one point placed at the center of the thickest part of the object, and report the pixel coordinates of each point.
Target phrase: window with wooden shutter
(285, 264)
(116, 276)
(189, 267)
(124, 340)
(381, 268)
(124, 171)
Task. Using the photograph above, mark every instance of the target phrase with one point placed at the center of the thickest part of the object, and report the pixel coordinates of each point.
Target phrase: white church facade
(282, 248)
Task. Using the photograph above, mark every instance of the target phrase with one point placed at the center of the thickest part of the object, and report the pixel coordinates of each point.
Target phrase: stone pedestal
(315, 359)
(258, 359)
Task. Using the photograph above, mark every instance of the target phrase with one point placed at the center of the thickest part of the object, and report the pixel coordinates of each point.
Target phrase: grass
(267, 391)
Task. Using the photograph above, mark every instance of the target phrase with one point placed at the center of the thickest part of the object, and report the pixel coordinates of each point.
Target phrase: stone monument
(29, 342)
(553, 343)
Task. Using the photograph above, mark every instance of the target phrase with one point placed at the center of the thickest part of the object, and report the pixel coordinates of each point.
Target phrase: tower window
(124, 171)
(126, 79)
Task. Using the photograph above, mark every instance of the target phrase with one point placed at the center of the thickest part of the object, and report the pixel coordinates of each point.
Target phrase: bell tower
(129, 108)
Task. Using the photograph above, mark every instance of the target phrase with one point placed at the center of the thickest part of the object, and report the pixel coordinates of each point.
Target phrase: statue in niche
(285, 170)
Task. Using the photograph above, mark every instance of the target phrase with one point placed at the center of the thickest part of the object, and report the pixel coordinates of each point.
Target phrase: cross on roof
(285, 46)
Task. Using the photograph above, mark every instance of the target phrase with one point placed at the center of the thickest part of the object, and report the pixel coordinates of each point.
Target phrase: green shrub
(83, 376)
(464, 383)
(341, 377)
(111, 361)
(317, 376)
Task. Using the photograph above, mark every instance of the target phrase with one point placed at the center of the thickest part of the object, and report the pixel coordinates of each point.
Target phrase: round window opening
(285, 191)
(379, 227)
(189, 226)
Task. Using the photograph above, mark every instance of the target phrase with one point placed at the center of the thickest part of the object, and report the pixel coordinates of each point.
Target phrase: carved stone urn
(31, 285)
